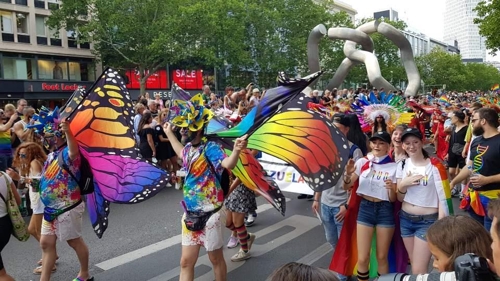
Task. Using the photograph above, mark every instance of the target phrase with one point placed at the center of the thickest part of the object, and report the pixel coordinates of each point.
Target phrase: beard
(189, 137)
(477, 131)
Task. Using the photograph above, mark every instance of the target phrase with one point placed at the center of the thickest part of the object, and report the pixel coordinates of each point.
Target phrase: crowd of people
(391, 186)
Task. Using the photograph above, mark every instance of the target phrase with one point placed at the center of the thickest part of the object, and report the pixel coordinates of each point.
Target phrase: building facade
(38, 64)
(420, 43)
(339, 6)
(459, 26)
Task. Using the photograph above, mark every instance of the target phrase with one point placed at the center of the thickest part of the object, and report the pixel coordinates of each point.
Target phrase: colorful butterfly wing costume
(283, 126)
(101, 119)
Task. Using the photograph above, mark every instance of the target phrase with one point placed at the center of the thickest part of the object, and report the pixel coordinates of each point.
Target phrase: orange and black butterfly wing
(103, 126)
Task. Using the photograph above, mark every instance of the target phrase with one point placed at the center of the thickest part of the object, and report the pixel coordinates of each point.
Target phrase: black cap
(341, 119)
(383, 136)
(411, 132)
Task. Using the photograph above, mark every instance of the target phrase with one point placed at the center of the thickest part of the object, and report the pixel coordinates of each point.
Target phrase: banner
(287, 178)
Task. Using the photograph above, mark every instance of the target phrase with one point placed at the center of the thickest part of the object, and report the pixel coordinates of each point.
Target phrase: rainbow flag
(345, 256)
(444, 99)
(495, 87)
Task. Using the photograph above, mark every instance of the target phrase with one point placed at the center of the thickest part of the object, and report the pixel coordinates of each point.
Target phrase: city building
(339, 6)
(420, 43)
(38, 64)
(459, 26)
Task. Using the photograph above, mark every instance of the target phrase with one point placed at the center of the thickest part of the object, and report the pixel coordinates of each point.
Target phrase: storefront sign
(157, 80)
(188, 79)
(61, 87)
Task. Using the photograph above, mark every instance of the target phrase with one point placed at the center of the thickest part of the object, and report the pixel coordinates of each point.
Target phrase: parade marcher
(6, 183)
(377, 180)
(483, 166)
(60, 194)
(423, 187)
(204, 163)
(331, 204)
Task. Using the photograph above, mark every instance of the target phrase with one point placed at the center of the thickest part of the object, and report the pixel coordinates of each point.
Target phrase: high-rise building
(459, 26)
(41, 65)
(421, 44)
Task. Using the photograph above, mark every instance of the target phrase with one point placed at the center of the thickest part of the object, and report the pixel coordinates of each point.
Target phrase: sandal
(38, 270)
(41, 260)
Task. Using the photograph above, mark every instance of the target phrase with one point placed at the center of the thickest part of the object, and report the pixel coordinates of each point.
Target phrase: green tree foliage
(488, 13)
(441, 68)
(126, 33)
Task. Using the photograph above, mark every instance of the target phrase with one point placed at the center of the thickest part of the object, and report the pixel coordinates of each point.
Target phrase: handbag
(196, 221)
(19, 229)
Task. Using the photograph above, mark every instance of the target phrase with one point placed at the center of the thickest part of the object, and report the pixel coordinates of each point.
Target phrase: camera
(468, 267)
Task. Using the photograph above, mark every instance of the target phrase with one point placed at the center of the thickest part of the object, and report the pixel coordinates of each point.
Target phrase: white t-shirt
(424, 194)
(372, 181)
(3, 189)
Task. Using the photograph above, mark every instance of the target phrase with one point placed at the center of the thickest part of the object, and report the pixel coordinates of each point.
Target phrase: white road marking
(317, 254)
(302, 224)
(156, 247)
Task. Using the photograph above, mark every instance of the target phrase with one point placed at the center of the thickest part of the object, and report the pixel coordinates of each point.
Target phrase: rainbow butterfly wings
(101, 121)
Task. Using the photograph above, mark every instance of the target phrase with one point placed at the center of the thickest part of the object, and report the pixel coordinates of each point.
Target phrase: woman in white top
(5, 222)
(377, 189)
(28, 161)
(420, 189)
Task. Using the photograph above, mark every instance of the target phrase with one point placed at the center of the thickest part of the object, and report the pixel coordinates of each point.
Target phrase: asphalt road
(143, 243)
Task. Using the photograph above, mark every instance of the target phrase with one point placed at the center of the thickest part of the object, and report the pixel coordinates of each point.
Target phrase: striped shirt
(5, 144)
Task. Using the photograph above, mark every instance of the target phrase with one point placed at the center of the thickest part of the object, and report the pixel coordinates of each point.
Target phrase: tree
(488, 13)
(481, 76)
(441, 68)
(126, 33)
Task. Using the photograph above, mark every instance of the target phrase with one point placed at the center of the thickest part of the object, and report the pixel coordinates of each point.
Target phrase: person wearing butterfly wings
(204, 163)
(62, 199)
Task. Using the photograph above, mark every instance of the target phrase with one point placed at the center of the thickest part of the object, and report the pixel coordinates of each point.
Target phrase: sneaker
(250, 220)
(454, 192)
(81, 279)
(250, 240)
(241, 256)
(233, 242)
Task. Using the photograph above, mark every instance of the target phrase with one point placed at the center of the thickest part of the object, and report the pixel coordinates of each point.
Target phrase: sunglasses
(22, 155)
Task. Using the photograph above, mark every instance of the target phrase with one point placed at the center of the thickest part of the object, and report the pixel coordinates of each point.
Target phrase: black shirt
(485, 157)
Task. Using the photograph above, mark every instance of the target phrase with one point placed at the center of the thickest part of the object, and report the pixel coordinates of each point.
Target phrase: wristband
(399, 191)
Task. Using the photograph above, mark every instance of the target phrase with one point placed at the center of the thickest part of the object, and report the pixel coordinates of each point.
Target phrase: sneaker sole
(232, 247)
(242, 259)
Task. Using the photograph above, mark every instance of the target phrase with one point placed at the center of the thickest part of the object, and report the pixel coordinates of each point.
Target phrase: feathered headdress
(192, 113)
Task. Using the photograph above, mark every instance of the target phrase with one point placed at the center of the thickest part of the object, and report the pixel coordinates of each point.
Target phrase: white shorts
(210, 237)
(36, 204)
(67, 226)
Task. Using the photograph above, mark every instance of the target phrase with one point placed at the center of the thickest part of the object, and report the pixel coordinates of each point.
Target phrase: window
(16, 68)
(22, 23)
(52, 70)
(74, 71)
(40, 26)
(6, 22)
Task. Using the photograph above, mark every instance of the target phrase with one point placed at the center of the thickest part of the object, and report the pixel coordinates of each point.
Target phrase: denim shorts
(415, 225)
(376, 214)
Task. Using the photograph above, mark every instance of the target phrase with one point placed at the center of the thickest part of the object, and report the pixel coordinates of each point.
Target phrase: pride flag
(495, 87)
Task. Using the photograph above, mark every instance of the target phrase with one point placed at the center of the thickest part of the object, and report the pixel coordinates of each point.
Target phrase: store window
(81, 71)
(22, 23)
(6, 21)
(40, 26)
(17, 68)
(52, 70)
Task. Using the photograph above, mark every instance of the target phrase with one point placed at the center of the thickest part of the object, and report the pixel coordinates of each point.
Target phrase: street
(143, 243)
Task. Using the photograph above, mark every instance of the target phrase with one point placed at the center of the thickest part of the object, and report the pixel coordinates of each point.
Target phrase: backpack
(86, 181)
(19, 229)
(351, 151)
(224, 179)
